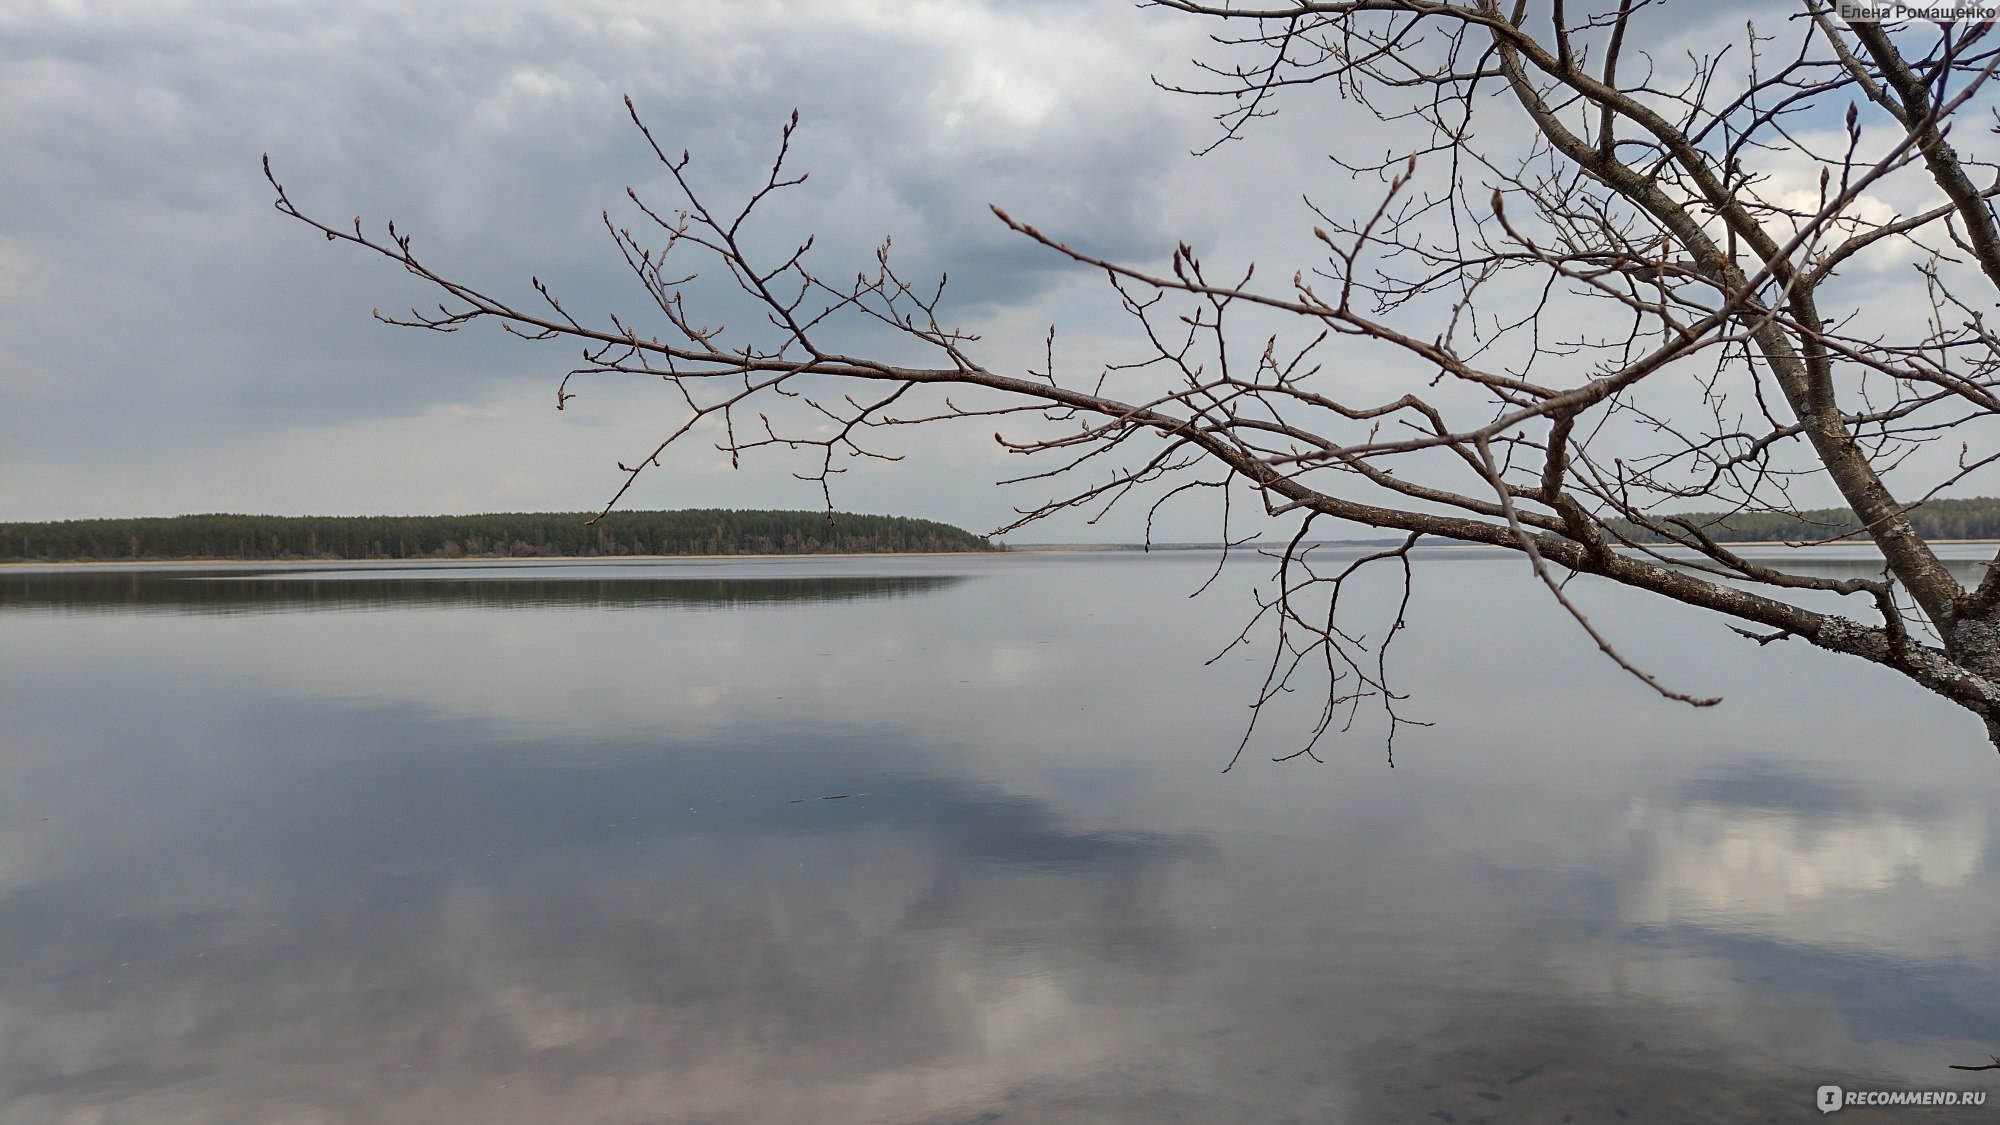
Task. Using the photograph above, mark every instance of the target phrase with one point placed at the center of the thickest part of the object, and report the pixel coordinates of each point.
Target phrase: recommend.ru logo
(1830, 1098)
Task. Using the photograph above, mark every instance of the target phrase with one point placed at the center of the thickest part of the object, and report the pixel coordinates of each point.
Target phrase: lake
(948, 839)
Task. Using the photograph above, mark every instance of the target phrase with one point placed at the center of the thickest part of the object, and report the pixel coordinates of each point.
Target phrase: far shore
(1022, 549)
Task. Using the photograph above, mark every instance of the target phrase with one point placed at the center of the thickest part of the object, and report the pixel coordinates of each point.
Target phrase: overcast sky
(169, 343)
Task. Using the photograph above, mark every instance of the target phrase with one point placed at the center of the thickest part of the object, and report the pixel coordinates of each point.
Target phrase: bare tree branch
(1633, 309)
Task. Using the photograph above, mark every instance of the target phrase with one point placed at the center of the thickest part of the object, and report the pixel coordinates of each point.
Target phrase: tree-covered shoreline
(1977, 518)
(706, 531)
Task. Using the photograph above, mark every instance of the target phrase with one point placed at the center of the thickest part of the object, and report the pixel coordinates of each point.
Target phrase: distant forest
(1939, 519)
(502, 535)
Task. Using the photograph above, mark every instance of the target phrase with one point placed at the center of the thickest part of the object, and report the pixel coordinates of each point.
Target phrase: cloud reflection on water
(1717, 859)
(473, 863)
(369, 938)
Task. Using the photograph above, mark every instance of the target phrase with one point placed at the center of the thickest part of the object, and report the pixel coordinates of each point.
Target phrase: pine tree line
(497, 535)
(1977, 518)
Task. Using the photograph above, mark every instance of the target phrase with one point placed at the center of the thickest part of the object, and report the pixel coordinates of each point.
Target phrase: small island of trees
(494, 535)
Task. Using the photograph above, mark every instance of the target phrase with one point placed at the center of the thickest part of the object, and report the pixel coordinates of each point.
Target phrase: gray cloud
(169, 343)
(157, 313)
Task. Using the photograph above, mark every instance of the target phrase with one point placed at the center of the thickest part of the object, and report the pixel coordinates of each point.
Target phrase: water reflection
(511, 935)
(1968, 572)
(238, 591)
(521, 866)
(1755, 838)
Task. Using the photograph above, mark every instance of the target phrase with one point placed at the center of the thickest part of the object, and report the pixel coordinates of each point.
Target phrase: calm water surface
(947, 840)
